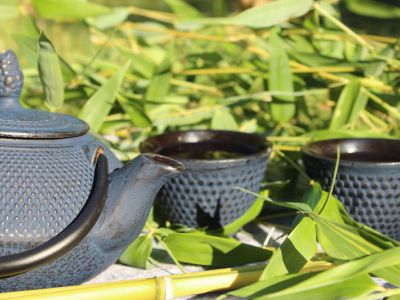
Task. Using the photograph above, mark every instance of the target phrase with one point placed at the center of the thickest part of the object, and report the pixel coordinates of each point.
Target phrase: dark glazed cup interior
(215, 162)
(368, 180)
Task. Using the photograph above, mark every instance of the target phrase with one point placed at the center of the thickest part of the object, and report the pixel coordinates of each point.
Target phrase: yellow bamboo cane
(158, 288)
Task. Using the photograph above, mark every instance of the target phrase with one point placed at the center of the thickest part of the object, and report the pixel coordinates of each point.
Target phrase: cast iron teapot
(63, 217)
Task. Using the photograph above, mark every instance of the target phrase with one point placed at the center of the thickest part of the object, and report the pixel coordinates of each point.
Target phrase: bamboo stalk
(165, 287)
(342, 26)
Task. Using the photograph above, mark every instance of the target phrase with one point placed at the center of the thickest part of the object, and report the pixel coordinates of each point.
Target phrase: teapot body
(43, 186)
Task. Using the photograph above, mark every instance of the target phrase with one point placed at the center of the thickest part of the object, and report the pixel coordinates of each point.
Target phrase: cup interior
(206, 144)
(357, 150)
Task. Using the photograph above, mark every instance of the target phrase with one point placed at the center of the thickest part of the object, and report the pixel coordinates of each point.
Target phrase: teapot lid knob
(18, 122)
(11, 77)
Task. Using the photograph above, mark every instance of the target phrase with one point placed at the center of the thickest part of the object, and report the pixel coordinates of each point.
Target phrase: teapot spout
(132, 190)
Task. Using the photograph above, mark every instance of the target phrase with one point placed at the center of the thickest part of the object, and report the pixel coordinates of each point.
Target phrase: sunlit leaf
(68, 9)
(8, 9)
(267, 15)
(113, 18)
(138, 252)
(348, 99)
(280, 80)
(50, 73)
(223, 120)
(183, 9)
(358, 286)
(373, 8)
(100, 103)
(297, 249)
(212, 250)
(248, 216)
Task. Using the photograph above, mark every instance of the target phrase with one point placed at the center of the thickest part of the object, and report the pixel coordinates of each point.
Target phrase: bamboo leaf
(135, 112)
(376, 69)
(302, 207)
(101, 102)
(349, 96)
(212, 250)
(297, 249)
(177, 115)
(267, 15)
(341, 241)
(50, 73)
(183, 9)
(68, 9)
(8, 9)
(115, 17)
(319, 135)
(223, 120)
(342, 274)
(248, 216)
(280, 80)
(138, 252)
(358, 286)
(373, 8)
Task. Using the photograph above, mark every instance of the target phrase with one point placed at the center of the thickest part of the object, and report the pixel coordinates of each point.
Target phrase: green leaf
(319, 135)
(294, 253)
(50, 73)
(177, 115)
(302, 207)
(115, 17)
(373, 8)
(280, 80)
(160, 83)
(349, 98)
(376, 69)
(358, 286)
(247, 217)
(137, 254)
(183, 9)
(135, 112)
(100, 103)
(68, 9)
(28, 47)
(223, 120)
(341, 241)
(318, 284)
(267, 15)
(317, 60)
(8, 9)
(208, 250)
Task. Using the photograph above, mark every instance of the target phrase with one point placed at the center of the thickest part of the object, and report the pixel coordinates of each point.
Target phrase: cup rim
(150, 144)
(307, 150)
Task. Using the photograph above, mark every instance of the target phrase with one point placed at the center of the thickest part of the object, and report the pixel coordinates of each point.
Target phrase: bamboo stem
(159, 287)
(342, 26)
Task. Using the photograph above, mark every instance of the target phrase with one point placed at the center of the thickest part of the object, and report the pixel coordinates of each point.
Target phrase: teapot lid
(21, 123)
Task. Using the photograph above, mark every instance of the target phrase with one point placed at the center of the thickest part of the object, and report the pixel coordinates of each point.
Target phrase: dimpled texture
(205, 195)
(41, 192)
(371, 195)
(11, 77)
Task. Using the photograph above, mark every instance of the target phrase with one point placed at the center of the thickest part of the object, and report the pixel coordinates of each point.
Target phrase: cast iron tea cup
(368, 179)
(215, 163)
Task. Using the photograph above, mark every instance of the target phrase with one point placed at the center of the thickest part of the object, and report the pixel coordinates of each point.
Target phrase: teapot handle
(15, 264)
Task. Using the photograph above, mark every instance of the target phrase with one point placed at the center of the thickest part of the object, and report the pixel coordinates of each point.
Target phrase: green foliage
(138, 253)
(100, 103)
(213, 250)
(280, 80)
(50, 73)
(8, 9)
(66, 10)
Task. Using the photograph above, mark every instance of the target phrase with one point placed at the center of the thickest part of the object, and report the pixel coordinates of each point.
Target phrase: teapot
(68, 207)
